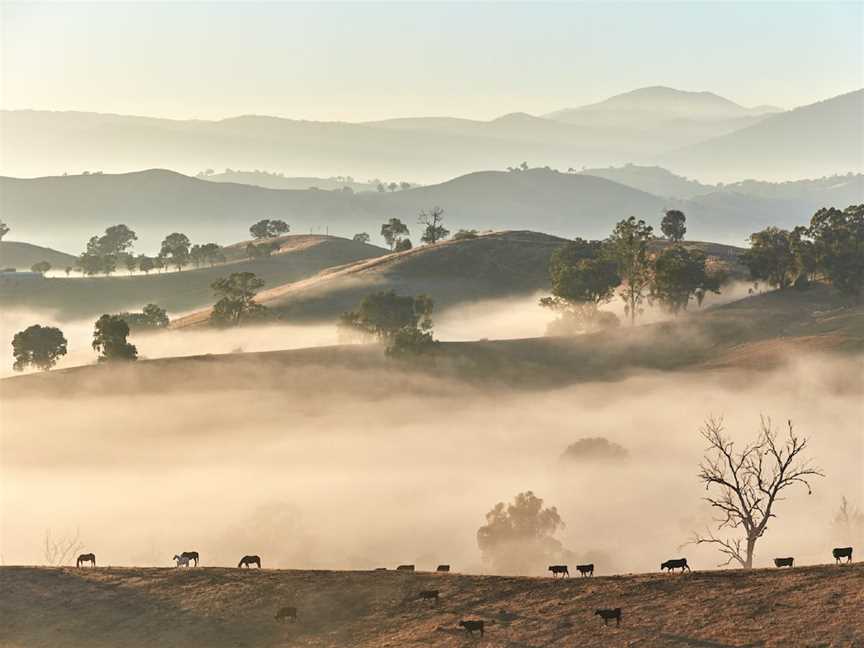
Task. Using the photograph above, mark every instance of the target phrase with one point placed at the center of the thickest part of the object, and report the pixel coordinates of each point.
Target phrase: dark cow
(675, 563)
(559, 569)
(471, 626)
(286, 613)
(783, 562)
(586, 570)
(248, 561)
(443, 568)
(84, 558)
(609, 613)
(405, 568)
(842, 552)
(428, 595)
(191, 555)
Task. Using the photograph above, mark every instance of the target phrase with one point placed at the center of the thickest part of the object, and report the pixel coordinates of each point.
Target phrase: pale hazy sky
(359, 61)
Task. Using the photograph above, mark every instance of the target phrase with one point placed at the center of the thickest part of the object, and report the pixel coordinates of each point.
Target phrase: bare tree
(59, 550)
(749, 482)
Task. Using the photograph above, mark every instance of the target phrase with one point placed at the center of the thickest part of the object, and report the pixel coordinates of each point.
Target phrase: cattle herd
(288, 613)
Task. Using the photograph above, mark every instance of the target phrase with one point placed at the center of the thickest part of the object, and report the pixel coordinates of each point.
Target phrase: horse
(248, 561)
(182, 561)
(191, 555)
(83, 558)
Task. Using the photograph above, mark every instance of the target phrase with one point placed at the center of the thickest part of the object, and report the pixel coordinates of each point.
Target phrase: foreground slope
(214, 607)
(299, 256)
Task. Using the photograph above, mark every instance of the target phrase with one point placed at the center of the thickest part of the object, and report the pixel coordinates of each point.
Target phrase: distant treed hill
(65, 211)
(299, 257)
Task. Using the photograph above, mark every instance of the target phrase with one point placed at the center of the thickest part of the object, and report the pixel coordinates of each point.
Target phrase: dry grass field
(221, 607)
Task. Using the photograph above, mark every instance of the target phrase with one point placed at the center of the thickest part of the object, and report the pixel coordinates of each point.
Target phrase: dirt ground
(220, 607)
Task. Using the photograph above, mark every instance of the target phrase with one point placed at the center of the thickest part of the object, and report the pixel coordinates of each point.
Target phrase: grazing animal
(471, 626)
(586, 570)
(606, 614)
(405, 568)
(380, 569)
(83, 558)
(248, 561)
(783, 562)
(182, 561)
(559, 569)
(443, 568)
(428, 595)
(191, 555)
(842, 552)
(286, 613)
(675, 563)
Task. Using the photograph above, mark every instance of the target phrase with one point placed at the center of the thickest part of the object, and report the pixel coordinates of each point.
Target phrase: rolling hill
(300, 256)
(66, 211)
(218, 607)
(820, 139)
(19, 255)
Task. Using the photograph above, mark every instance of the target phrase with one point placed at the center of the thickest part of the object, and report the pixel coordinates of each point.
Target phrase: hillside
(300, 256)
(19, 255)
(761, 332)
(65, 211)
(217, 607)
(820, 139)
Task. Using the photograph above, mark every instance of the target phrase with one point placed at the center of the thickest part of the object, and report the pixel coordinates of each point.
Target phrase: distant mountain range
(65, 211)
(714, 135)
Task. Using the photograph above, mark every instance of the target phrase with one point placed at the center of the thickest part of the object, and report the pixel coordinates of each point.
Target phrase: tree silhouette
(38, 346)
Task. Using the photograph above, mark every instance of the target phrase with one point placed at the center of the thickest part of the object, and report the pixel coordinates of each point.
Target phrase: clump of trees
(38, 346)
(268, 228)
(394, 231)
(465, 234)
(746, 484)
(40, 267)
(261, 250)
(109, 340)
(209, 253)
(594, 448)
(104, 253)
(361, 237)
(434, 231)
(151, 317)
(583, 277)
(403, 323)
(175, 250)
(4, 230)
(236, 300)
(832, 246)
(519, 537)
(680, 275)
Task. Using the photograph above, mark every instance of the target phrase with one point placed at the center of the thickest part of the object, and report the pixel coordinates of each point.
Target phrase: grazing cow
(586, 570)
(675, 563)
(783, 562)
(286, 613)
(191, 555)
(405, 568)
(609, 613)
(471, 626)
(842, 552)
(428, 595)
(559, 569)
(248, 561)
(443, 568)
(182, 561)
(83, 558)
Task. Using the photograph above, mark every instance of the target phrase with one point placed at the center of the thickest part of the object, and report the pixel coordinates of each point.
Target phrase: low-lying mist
(326, 467)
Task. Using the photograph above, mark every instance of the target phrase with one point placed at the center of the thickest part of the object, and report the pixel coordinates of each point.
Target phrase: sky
(363, 61)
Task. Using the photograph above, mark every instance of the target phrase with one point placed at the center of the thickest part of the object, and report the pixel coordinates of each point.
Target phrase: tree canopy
(680, 275)
(838, 246)
(361, 237)
(628, 246)
(771, 257)
(673, 225)
(236, 299)
(38, 346)
(41, 267)
(267, 228)
(109, 339)
(393, 231)
(175, 250)
(435, 231)
(4, 230)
